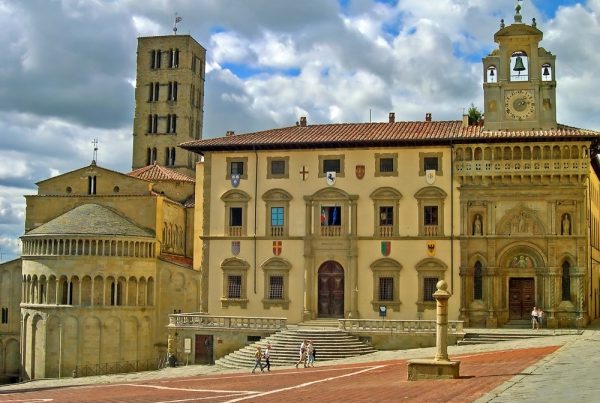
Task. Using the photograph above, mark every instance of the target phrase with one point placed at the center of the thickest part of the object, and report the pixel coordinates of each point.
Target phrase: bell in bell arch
(519, 66)
(546, 71)
(492, 74)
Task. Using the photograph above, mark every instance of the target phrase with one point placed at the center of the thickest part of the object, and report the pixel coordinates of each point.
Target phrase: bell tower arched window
(566, 281)
(519, 66)
(491, 75)
(546, 72)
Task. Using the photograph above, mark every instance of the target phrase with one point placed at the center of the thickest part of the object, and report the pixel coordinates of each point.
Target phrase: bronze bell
(546, 71)
(492, 72)
(519, 66)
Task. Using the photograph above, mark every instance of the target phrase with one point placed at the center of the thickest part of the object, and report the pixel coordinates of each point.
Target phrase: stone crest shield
(360, 171)
(235, 180)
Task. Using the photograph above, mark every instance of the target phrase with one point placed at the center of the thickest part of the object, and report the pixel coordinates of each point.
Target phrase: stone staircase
(512, 330)
(330, 344)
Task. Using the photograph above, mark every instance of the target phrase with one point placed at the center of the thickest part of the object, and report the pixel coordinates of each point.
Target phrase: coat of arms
(235, 180)
(386, 248)
(277, 247)
(235, 248)
(431, 248)
(360, 171)
(430, 176)
(330, 178)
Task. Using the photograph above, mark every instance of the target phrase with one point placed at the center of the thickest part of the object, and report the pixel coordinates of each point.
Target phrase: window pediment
(431, 192)
(234, 263)
(277, 195)
(330, 194)
(235, 195)
(386, 264)
(276, 263)
(431, 264)
(386, 193)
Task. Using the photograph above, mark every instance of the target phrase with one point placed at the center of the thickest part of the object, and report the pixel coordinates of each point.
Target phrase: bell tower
(519, 83)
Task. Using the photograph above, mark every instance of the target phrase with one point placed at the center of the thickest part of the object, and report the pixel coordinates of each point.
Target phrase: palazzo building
(338, 220)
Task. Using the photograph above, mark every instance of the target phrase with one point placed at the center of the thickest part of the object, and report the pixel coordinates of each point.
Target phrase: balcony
(277, 231)
(386, 231)
(430, 230)
(235, 231)
(331, 231)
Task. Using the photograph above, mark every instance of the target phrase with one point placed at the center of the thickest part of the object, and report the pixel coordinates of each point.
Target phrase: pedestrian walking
(267, 356)
(540, 318)
(302, 353)
(534, 319)
(258, 358)
(311, 354)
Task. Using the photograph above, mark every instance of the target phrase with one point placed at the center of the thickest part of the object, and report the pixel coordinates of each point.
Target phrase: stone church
(311, 221)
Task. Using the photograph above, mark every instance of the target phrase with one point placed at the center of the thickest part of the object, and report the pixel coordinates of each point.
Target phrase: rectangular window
(277, 217)
(171, 123)
(276, 287)
(174, 58)
(155, 57)
(429, 287)
(386, 288)
(5, 314)
(430, 163)
(237, 167)
(277, 167)
(331, 216)
(172, 91)
(152, 124)
(386, 165)
(430, 215)
(234, 286)
(332, 166)
(235, 217)
(386, 215)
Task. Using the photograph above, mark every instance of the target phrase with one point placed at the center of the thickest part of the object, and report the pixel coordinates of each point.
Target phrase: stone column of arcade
(440, 367)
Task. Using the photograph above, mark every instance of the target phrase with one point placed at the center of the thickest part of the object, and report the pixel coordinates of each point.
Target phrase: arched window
(492, 75)
(478, 281)
(566, 281)
(519, 66)
(546, 72)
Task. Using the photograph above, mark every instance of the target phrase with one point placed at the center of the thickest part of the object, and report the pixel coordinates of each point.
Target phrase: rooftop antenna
(95, 143)
(177, 19)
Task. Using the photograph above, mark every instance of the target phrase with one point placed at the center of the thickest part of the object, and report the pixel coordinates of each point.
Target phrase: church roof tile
(157, 173)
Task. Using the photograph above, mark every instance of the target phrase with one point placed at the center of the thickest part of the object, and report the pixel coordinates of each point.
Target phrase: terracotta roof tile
(158, 173)
(176, 259)
(365, 134)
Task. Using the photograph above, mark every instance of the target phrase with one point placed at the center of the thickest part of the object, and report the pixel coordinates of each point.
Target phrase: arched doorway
(331, 290)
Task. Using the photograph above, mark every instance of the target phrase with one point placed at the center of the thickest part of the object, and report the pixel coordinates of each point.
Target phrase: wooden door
(331, 290)
(203, 351)
(521, 301)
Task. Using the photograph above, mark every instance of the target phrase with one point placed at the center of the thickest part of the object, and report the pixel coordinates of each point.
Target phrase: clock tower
(519, 85)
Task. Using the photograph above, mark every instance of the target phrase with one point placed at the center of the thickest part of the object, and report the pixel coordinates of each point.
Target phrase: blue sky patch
(549, 7)
(246, 71)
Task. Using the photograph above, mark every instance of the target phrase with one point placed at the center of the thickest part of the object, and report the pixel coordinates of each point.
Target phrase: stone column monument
(440, 367)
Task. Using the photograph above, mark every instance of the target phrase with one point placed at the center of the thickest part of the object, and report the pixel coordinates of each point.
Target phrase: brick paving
(381, 381)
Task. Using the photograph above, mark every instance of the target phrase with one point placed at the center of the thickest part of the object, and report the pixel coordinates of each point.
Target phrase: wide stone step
(329, 344)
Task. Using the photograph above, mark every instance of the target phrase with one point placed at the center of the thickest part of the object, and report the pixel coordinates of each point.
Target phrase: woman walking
(258, 358)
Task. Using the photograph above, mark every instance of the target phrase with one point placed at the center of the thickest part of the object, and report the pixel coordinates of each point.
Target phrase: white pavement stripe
(332, 378)
(273, 373)
(195, 399)
(190, 390)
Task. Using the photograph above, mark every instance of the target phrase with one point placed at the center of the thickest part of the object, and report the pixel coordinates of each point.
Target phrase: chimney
(229, 133)
(392, 118)
(465, 122)
(302, 121)
(428, 117)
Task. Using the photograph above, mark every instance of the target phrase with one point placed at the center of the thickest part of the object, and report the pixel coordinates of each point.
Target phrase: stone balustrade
(203, 320)
(522, 167)
(397, 326)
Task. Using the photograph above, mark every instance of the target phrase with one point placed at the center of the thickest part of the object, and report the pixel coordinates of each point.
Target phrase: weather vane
(177, 19)
(95, 143)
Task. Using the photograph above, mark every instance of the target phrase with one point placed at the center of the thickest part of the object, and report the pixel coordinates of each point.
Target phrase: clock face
(519, 104)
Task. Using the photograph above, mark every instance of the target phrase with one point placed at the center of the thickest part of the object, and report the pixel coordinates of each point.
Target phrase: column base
(431, 369)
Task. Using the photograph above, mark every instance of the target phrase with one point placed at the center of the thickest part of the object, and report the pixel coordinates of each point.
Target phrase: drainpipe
(255, 206)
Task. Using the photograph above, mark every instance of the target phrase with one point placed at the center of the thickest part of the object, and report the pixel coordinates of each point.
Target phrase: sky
(67, 71)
